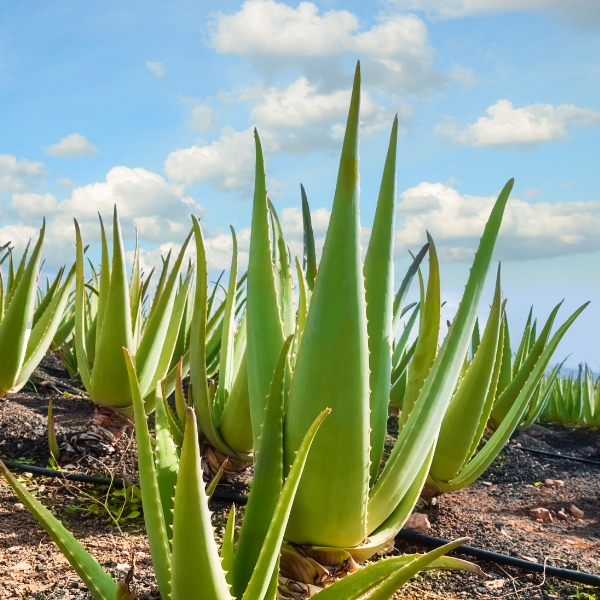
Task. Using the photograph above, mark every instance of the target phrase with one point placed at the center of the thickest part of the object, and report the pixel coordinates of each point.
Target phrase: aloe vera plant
(21, 347)
(187, 562)
(117, 325)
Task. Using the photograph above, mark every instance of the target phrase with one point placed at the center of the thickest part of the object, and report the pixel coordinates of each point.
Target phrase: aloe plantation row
(296, 370)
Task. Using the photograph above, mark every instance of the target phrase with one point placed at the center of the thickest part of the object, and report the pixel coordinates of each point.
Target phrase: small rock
(418, 522)
(487, 483)
(74, 585)
(562, 514)
(19, 506)
(126, 567)
(541, 515)
(554, 483)
(576, 512)
(40, 568)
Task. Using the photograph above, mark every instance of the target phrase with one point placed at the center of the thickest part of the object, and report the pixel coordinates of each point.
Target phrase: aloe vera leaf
(52, 442)
(486, 455)
(379, 296)
(149, 353)
(110, 382)
(267, 482)
(175, 427)
(310, 256)
(135, 286)
(228, 545)
(1, 295)
(235, 425)
(427, 342)
(357, 584)
(283, 276)
(405, 286)
(265, 333)
(100, 583)
(475, 339)
(20, 271)
(161, 283)
(532, 335)
(170, 379)
(332, 369)
(491, 394)
(423, 425)
(43, 333)
(401, 345)
(269, 554)
(398, 389)
(175, 322)
(39, 311)
(103, 288)
(543, 399)
(198, 376)
(13, 328)
(180, 403)
(195, 558)
(505, 376)
(11, 276)
(239, 345)
(391, 585)
(508, 397)
(463, 415)
(212, 486)
(226, 373)
(154, 517)
(302, 301)
(167, 460)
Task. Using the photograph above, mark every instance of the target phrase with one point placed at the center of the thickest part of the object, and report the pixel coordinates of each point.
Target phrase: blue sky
(151, 105)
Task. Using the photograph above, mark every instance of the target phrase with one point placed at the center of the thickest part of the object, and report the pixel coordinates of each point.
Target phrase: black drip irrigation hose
(559, 455)
(404, 534)
(501, 559)
(118, 483)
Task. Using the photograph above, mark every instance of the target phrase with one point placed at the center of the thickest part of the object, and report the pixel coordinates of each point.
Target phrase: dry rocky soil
(494, 512)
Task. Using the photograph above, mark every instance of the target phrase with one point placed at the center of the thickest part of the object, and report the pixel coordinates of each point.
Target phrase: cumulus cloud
(33, 206)
(585, 13)
(523, 127)
(19, 175)
(74, 145)
(272, 35)
(18, 235)
(528, 230)
(67, 183)
(203, 118)
(158, 69)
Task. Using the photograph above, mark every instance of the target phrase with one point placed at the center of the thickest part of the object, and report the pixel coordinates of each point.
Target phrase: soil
(493, 512)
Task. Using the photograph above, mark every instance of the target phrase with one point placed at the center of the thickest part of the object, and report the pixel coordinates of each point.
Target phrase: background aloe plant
(22, 348)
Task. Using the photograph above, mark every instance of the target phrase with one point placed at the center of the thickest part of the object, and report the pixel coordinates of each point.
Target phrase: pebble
(554, 483)
(562, 514)
(542, 515)
(418, 522)
(576, 512)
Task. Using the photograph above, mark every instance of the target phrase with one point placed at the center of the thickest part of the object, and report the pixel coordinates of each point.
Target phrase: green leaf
(310, 256)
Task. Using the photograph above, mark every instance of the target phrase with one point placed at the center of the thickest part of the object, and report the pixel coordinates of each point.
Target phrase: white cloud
(72, 146)
(532, 193)
(203, 118)
(18, 235)
(157, 69)
(583, 12)
(566, 184)
(272, 35)
(33, 206)
(67, 183)
(227, 164)
(523, 127)
(528, 230)
(17, 175)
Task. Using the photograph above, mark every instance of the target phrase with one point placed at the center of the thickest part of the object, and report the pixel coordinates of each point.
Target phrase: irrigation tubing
(118, 483)
(558, 455)
(404, 534)
(501, 559)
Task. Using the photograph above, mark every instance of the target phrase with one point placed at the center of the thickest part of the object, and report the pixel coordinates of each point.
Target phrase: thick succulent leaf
(464, 411)
(475, 339)
(149, 353)
(267, 480)
(100, 583)
(80, 347)
(265, 333)
(161, 284)
(103, 288)
(153, 512)
(21, 270)
(282, 269)
(427, 342)
(52, 441)
(486, 455)
(44, 331)
(379, 295)
(310, 256)
(405, 286)
(401, 345)
(226, 372)
(508, 397)
(506, 369)
(228, 545)
(302, 302)
(332, 370)
(135, 289)
(167, 460)
(269, 554)
(196, 566)
(110, 382)
(43, 305)
(180, 403)
(423, 425)
(13, 328)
